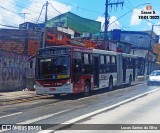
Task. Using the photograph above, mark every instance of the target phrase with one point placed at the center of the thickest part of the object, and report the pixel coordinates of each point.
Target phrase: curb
(139, 82)
(36, 97)
(22, 100)
(142, 78)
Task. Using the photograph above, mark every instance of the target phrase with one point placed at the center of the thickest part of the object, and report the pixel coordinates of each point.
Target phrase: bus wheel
(87, 89)
(130, 81)
(57, 95)
(110, 84)
(148, 83)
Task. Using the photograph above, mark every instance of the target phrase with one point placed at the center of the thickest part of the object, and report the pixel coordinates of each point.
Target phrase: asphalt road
(78, 108)
(140, 115)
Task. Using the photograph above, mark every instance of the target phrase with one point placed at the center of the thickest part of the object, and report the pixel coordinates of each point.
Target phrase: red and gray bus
(71, 69)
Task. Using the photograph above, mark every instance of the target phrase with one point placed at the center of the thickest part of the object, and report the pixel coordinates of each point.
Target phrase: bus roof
(62, 46)
(129, 55)
(98, 51)
(45, 48)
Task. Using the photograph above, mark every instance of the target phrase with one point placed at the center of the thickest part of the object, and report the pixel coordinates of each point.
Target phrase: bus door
(124, 69)
(119, 69)
(96, 70)
(134, 69)
(77, 70)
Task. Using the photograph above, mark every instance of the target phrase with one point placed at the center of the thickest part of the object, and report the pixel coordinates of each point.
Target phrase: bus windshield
(56, 67)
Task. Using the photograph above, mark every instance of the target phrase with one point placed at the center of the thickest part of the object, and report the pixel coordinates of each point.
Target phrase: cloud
(156, 28)
(9, 17)
(102, 20)
(35, 8)
(113, 23)
(134, 19)
(32, 8)
(149, 24)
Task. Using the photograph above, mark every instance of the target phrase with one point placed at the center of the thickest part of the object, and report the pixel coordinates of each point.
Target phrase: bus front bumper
(53, 90)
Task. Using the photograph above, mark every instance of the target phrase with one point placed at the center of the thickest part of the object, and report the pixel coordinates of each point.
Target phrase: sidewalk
(141, 78)
(7, 98)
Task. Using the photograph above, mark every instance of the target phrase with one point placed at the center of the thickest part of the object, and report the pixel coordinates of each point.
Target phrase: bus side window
(86, 64)
(102, 64)
(129, 63)
(76, 62)
(108, 63)
(113, 64)
(77, 66)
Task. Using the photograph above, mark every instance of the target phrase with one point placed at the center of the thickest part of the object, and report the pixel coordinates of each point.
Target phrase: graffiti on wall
(13, 70)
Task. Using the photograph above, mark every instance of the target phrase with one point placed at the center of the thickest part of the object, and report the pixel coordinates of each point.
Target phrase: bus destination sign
(49, 52)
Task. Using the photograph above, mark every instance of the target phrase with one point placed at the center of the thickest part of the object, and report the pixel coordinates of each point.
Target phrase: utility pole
(46, 16)
(149, 49)
(106, 26)
(107, 21)
(46, 19)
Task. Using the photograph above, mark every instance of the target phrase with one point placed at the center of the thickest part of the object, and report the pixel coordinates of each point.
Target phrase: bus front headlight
(68, 82)
(38, 84)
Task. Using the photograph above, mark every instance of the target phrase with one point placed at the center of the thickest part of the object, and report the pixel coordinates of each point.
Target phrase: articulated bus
(71, 69)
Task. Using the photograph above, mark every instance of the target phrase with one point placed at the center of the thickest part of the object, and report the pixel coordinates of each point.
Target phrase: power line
(130, 4)
(8, 10)
(108, 3)
(40, 14)
(30, 18)
(23, 6)
(120, 26)
(127, 13)
(78, 7)
(15, 12)
(55, 8)
(8, 26)
(136, 13)
(67, 16)
(6, 22)
(24, 14)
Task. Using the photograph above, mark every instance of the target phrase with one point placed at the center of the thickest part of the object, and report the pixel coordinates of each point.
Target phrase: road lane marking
(109, 107)
(74, 120)
(117, 90)
(11, 115)
(138, 85)
(46, 131)
(3, 103)
(42, 117)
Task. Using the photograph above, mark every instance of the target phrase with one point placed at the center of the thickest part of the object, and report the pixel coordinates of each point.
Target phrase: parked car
(154, 77)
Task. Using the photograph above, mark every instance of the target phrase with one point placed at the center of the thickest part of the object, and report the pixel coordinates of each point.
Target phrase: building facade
(75, 22)
(142, 45)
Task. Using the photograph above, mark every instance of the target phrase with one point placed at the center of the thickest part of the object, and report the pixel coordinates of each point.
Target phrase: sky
(15, 12)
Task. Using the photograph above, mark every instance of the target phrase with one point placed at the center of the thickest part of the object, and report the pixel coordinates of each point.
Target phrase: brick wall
(13, 70)
(16, 47)
(20, 41)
